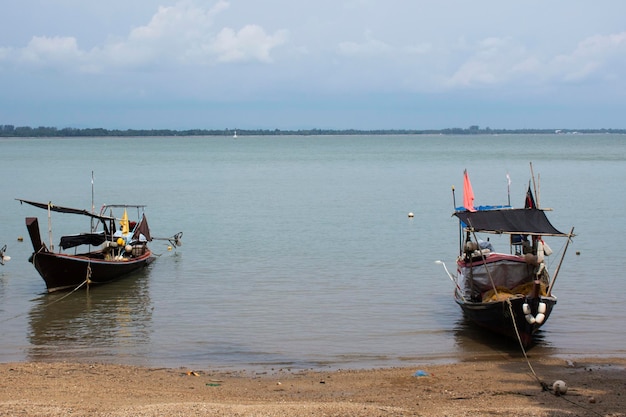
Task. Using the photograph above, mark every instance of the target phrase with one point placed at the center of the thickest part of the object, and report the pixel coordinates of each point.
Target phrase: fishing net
(503, 293)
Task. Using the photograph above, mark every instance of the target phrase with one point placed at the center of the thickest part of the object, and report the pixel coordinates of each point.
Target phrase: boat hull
(64, 272)
(496, 316)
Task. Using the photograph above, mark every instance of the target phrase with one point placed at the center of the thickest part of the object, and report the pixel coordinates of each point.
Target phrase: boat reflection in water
(103, 324)
(474, 342)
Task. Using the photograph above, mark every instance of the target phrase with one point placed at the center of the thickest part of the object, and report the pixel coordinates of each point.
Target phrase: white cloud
(190, 34)
(50, 51)
(182, 34)
(5, 53)
(497, 61)
(370, 48)
(375, 48)
(599, 56)
(214, 50)
(250, 43)
(490, 61)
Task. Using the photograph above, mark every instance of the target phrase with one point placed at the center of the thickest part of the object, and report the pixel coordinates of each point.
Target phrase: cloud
(5, 53)
(370, 48)
(196, 48)
(490, 61)
(375, 48)
(497, 61)
(47, 51)
(250, 43)
(182, 34)
(597, 57)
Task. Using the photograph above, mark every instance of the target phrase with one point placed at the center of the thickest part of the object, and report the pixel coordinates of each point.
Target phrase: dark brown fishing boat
(510, 294)
(112, 253)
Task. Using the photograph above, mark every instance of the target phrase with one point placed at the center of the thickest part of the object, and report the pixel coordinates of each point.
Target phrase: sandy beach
(500, 387)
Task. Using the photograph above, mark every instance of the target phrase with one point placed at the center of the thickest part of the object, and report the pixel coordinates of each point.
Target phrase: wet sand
(501, 387)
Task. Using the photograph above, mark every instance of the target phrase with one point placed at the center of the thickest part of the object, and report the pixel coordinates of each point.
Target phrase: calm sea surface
(299, 251)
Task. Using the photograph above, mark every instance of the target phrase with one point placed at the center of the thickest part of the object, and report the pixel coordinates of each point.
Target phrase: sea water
(299, 251)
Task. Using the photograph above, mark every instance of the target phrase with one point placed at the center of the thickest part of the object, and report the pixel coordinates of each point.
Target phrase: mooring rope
(86, 281)
(484, 259)
(88, 277)
(543, 385)
(71, 292)
(519, 339)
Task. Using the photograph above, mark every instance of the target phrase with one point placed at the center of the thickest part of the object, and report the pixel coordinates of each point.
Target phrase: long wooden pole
(453, 198)
(50, 226)
(460, 229)
(538, 193)
(556, 272)
(93, 207)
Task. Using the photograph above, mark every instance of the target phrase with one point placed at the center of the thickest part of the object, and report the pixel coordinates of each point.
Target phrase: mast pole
(538, 193)
(50, 226)
(460, 229)
(556, 272)
(453, 198)
(93, 207)
(508, 188)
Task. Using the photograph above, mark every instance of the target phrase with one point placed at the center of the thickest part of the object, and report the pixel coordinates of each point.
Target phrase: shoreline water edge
(593, 387)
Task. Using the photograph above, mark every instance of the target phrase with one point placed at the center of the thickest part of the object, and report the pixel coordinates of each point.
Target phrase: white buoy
(411, 214)
(559, 387)
(540, 318)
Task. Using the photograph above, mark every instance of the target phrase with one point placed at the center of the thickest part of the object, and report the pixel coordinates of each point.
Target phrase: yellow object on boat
(503, 293)
(124, 223)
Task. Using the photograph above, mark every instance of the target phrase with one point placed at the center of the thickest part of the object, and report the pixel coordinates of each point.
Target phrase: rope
(484, 259)
(543, 385)
(88, 277)
(13, 317)
(86, 281)
(52, 302)
(69, 293)
(581, 406)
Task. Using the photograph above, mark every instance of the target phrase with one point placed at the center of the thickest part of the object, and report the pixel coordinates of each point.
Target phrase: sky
(323, 64)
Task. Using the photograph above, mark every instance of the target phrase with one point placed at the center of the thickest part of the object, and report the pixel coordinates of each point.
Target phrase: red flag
(468, 193)
(530, 200)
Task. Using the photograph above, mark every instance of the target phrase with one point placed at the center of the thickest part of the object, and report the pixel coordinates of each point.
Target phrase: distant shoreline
(51, 132)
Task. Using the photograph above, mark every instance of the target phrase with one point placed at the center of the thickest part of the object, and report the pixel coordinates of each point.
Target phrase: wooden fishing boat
(510, 294)
(112, 253)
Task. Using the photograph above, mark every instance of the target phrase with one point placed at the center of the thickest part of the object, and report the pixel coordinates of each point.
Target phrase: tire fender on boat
(541, 313)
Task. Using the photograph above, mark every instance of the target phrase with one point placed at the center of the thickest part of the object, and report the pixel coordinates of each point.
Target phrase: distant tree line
(42, 131)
